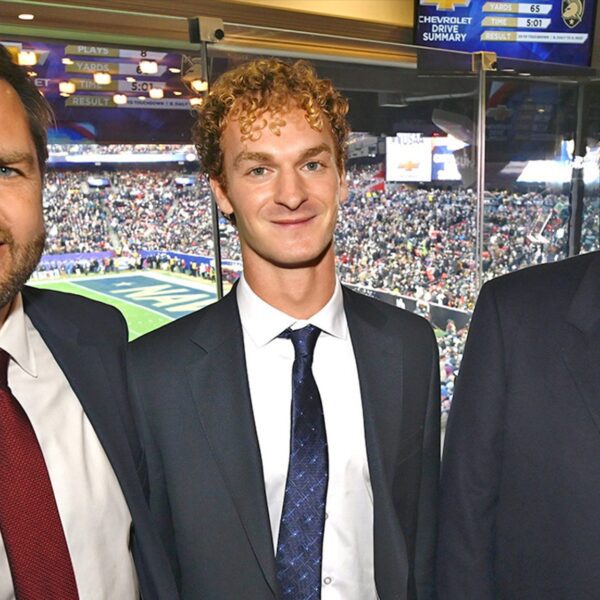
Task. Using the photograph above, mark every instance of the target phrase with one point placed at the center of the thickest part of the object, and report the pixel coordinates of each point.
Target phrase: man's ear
(221, 196)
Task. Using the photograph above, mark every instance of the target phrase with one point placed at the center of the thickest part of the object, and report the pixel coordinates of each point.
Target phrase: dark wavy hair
(39, 113)
(267, 85)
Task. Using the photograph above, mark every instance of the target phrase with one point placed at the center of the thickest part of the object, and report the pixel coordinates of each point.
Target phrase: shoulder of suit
(546, 280)
(85, 312)
(211, 320)
(399, 319)
(67, 299)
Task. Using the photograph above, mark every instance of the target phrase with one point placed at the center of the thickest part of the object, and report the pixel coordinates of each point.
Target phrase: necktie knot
(304, 340)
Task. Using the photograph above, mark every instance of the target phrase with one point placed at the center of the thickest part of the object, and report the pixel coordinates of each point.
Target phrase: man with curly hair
(291, 429)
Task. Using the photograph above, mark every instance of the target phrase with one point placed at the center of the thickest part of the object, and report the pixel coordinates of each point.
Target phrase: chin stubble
(23, 261)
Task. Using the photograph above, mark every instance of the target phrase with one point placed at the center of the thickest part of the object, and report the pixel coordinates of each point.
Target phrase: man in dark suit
(73, 517)
(520, 476)
(333, 496)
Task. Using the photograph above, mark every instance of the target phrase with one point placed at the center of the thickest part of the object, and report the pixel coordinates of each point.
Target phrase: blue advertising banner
(559, 31)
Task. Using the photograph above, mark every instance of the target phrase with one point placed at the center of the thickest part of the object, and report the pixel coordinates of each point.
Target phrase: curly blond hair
(267, 85)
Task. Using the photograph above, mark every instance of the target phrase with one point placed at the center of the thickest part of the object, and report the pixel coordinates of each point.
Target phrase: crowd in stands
(116, 149)
(415, 242)
(419, 243)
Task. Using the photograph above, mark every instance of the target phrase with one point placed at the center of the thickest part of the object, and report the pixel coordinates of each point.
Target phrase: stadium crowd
(415, 242)
(406, 241)
(58, 150)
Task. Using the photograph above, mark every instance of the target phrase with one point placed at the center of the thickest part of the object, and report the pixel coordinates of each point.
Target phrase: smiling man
(291, 429)
(73, 519)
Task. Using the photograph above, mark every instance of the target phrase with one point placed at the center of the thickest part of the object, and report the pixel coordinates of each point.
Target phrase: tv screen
(558, 31)
(408, 158)
(411, 157)
(90, 113)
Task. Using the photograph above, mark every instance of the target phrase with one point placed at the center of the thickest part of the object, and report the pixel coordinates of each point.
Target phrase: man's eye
(7, 172)
(313, 165)
(258, 171)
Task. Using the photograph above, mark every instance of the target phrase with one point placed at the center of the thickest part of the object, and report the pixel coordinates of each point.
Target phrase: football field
(147, 299)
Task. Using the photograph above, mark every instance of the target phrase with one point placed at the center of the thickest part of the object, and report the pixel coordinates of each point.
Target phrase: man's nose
(291, 189)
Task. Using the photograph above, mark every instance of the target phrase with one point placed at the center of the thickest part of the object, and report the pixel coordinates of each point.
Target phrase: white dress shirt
(92, 509)
(348, 564)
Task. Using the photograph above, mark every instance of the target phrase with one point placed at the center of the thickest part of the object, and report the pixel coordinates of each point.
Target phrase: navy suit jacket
(88, 340)
(206, 481)
(521, 468)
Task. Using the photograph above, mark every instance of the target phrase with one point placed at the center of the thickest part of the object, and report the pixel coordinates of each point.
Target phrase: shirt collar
(263, 322)
(14, 337)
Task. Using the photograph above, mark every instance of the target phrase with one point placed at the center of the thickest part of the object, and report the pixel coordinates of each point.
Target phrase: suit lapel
(379, 364)
(95, 385)
(581, 347)
(219, 387)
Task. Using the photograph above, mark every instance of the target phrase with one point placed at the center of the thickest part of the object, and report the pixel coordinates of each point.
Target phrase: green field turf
(143, 312)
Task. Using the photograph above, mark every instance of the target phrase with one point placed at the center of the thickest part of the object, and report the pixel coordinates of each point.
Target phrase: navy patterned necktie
(300, 544)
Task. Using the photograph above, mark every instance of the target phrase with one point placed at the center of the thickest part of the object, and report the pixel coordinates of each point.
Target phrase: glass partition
(406, 234)
(530, 127)
(590, 164)
(130, 220)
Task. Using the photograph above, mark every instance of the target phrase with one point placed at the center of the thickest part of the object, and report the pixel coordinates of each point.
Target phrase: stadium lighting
(120, 99)
(66, 87)
(102, 78)
(148, 67)
(156, 93)
(193, 75)
(66, 60)
(26, 17)
(130, 79)
(177, 93)
(199, 85)
(27, 58)
(174, 70)
(32, 73)
(194, 102)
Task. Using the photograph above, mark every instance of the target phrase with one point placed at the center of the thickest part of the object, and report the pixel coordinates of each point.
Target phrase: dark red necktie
(33, 535)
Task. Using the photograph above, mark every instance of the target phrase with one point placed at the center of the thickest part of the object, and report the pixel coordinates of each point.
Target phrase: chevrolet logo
(409, 166)
(445, 4)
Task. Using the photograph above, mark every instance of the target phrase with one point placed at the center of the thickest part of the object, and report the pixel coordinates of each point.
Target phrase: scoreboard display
(90, 113)
(558, 31)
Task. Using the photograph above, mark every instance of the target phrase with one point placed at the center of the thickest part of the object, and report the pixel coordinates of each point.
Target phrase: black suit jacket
(206, 481)
(521, 470)
(88, 340)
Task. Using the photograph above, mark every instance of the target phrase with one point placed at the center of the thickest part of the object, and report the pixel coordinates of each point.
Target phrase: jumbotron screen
(558, 31)
(130, 106)
(411, 157)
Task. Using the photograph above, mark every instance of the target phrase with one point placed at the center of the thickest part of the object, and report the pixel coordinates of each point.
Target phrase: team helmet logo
(445, 4)
(572, 12)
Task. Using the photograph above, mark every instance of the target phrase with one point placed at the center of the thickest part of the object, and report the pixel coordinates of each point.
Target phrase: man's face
(284, 191)
(21, 219)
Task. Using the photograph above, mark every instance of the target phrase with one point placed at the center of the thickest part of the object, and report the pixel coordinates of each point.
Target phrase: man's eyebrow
(315, 150)
(10, 158)
(251, 156)
(266, 157)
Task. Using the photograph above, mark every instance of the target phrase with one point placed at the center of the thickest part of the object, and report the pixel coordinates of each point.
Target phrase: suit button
(327, 580)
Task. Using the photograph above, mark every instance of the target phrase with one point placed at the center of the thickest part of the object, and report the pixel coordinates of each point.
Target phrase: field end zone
(147, 299)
